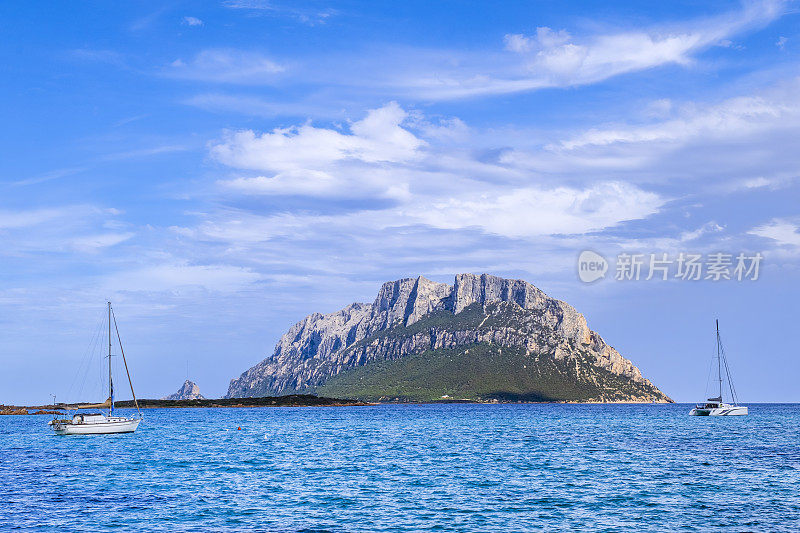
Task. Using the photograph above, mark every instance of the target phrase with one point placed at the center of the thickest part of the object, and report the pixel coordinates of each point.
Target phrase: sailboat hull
(100, 427)
(728, 410)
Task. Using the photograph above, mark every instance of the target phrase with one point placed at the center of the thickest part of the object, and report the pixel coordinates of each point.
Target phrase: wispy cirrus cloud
(750, 139)
(258, 106)
(147, 21)
(94, 55)
(34, 217)
(61, 229)
(226, 66)
(547, 58)
(170, 276)
(555, 58)
(96, 242)
(740, 116)
(308, 16)
(145, 152)
(48, 176)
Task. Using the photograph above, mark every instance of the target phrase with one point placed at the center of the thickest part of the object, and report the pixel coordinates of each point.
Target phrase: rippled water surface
(409, 468)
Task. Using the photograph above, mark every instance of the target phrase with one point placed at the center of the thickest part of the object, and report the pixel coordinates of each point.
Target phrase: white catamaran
(715, 406)
(97, 423)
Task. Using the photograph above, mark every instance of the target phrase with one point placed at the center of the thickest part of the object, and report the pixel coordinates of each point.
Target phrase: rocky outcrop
(12, 410)
(488, 309)
(188, 391)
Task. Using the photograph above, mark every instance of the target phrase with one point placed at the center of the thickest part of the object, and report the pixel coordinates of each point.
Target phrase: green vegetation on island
(482, 372)
(289, 400)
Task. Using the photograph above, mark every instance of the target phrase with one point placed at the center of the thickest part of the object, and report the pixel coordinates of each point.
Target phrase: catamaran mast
(719, 363)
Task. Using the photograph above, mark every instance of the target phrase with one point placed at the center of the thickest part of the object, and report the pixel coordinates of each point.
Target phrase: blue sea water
(455, 467)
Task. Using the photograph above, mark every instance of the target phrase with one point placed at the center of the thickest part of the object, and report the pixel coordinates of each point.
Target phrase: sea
(409, 468)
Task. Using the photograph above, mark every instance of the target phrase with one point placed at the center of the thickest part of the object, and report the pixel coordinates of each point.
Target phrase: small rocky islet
(188, 391)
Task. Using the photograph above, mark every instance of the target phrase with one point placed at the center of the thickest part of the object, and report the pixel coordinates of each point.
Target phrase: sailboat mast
(719, 363)
(125, 362)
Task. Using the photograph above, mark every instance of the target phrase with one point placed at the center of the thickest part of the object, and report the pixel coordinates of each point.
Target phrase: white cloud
(782, 231)
(93, 243)
(756, 183)
(608, 55)
(705, 229)
(450, 129)
(535, 211)
(34, 217)
(774, 182)
(314, 161)
(781, 42)
(660, 108)
(192, 21)
(516, 42)
(734, 117)
(314, 183)
(377, 138)
(227, 66)
(547, 38)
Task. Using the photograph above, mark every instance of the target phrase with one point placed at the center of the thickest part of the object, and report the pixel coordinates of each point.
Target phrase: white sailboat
(98, 423)
(716, 406)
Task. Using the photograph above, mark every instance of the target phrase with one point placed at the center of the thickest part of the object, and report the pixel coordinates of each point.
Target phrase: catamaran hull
(101, 428)
(720, 411)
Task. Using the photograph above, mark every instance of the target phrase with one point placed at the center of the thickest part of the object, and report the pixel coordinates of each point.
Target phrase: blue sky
(220, 170)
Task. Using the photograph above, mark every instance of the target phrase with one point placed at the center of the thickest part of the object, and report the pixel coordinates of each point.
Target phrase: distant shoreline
(292, 400)
(306, 400)
(302, 400)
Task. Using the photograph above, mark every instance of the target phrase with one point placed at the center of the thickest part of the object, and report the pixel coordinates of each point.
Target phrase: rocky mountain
(482, 338)
(188, 391)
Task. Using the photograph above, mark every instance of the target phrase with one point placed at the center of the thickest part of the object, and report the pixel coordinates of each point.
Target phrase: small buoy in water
(239, 428)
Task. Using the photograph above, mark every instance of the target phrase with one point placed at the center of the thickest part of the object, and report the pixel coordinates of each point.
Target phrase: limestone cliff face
(188, 391)
(322, 346)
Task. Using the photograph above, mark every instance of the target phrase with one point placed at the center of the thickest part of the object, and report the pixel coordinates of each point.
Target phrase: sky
(219, 170)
